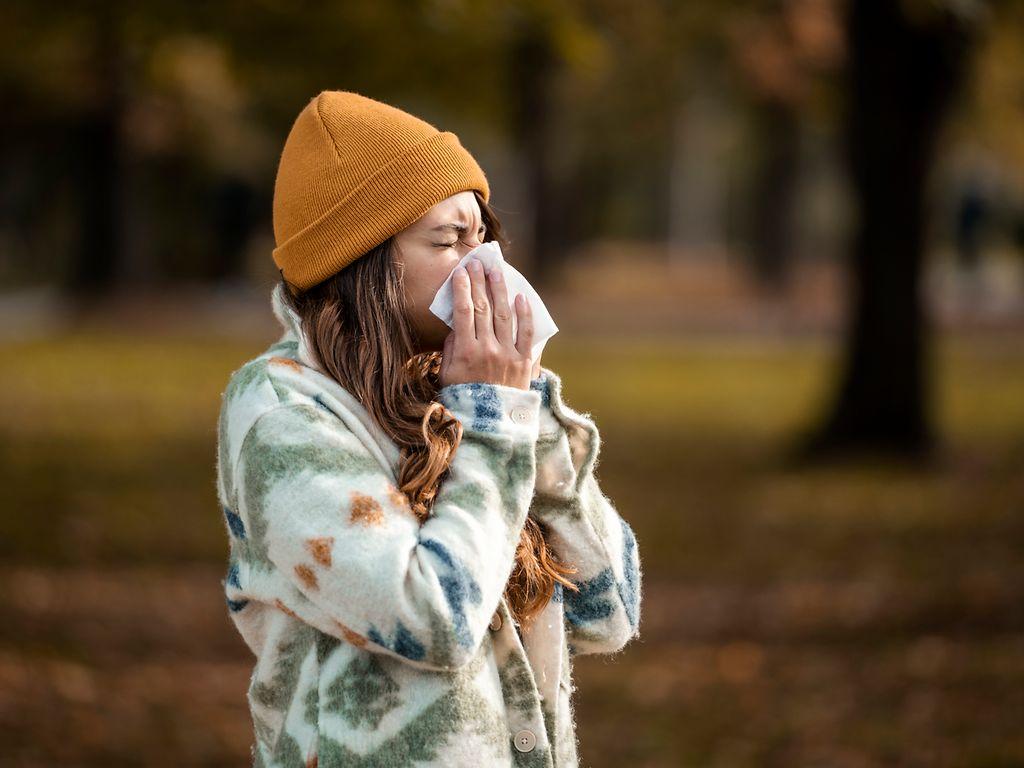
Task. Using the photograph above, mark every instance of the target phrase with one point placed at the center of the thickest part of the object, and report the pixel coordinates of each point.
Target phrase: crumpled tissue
(490, 254)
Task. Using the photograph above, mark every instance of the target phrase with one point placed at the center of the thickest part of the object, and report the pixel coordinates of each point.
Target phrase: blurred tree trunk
(97, 145)
(233, 212)
(775, 187)
(903, 76)
(532, 63)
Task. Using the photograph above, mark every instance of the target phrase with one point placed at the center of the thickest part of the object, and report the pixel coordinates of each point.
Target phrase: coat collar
(320, 383)
(291, 324)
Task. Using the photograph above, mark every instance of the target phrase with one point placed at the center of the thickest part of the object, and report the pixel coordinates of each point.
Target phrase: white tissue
(491, 257)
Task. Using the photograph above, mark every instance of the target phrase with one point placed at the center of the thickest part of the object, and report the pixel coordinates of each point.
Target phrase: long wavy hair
(357, 327)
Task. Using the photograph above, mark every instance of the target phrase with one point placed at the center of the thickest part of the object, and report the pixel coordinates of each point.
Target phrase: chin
(431, 338)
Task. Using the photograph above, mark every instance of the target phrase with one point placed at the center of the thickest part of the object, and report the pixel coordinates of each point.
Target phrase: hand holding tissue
(491, 257)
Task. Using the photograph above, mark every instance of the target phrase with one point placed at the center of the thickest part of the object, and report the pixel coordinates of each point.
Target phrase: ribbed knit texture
(355, 171)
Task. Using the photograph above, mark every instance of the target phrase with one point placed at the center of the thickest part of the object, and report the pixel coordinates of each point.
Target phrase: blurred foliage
(590, 92)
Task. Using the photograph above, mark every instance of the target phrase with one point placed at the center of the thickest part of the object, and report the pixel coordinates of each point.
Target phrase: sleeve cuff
(558, 419)
(489, 408)
(550, 426)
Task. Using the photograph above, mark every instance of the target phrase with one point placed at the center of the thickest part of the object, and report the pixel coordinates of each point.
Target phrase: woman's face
(427, 252)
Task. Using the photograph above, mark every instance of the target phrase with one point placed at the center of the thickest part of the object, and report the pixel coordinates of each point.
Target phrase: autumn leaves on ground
(857, 615)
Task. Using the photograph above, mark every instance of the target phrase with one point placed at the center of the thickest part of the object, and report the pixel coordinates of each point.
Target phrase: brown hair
(357, 327)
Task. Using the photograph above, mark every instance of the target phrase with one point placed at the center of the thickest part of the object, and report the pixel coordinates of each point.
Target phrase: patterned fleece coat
(380, 641)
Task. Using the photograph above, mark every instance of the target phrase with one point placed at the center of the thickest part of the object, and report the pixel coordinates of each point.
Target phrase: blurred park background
(784, 243)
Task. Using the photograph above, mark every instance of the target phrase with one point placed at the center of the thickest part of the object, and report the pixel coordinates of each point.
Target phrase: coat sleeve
(356, 561)
(584, 528)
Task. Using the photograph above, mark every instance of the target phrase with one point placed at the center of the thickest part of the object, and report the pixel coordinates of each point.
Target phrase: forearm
(327, 517)
(583, 527)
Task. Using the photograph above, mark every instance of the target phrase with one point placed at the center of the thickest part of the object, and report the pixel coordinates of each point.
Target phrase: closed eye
(481, 232)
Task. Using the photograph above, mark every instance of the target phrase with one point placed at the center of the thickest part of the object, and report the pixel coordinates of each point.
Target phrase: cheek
(434, 278)
(424, 283)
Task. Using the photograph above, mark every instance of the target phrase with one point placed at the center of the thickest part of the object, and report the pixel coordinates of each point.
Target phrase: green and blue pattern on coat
(363, 694)
(592, 602)
(487, 406)
(234, 523)
(404, 642)
(542, 384)
(236, 605)
(233, 575)
(459, 586)
(629, 588)
(233, 580)
(320, 402)
(423, 738)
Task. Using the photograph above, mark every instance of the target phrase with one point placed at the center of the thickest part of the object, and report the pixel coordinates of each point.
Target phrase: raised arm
(323, 512)
(584, 528)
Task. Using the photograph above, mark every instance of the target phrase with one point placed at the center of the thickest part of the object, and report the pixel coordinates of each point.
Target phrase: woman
(405, 502)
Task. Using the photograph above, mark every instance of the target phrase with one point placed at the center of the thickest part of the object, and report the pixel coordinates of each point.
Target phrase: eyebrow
(457, 226)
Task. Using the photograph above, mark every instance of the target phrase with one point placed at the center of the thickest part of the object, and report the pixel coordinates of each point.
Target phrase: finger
(524, 339)
(449, 345)
(462, 306)
(500, 306)
(447, 353)
(481, 302)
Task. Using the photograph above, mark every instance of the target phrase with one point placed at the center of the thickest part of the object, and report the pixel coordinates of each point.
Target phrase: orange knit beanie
(354, 172)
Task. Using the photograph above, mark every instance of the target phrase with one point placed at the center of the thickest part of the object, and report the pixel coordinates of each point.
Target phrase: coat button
(525, 740)
(521, 414)
(496, 621)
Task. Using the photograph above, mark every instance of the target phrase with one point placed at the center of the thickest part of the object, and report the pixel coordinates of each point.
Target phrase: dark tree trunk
(903, 76)
(532, 63)
(97, 143)
(233, 214)
(775, 186)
